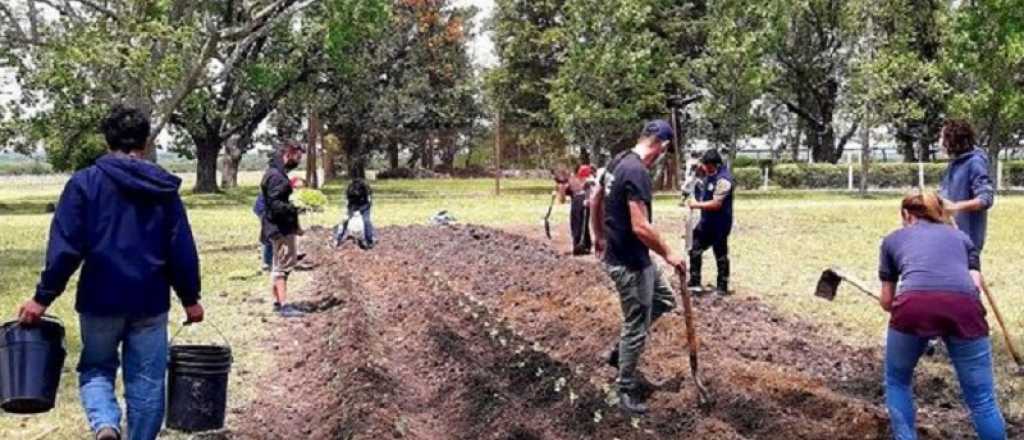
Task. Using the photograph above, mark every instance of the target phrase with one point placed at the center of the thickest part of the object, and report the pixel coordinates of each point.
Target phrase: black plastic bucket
(197, 387)
(31, 360)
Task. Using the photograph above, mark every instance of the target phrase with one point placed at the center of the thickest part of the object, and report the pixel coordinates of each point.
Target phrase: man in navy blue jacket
(123, 221)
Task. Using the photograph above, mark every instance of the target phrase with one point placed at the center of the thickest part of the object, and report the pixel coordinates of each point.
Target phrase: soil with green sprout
(469, 332)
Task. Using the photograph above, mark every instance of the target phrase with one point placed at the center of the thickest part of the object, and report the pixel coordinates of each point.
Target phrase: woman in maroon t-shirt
(930, 277)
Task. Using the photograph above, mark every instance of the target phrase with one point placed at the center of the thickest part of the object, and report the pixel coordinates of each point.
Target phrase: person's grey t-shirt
(929, 257)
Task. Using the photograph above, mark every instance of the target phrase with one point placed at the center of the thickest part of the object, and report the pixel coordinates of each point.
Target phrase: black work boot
(695, 266)
(722, 286)
(630, 403)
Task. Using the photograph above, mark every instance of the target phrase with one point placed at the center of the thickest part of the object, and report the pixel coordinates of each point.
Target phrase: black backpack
(358, 192)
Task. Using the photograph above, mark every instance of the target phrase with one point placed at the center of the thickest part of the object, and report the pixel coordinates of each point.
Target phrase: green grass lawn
(781, 243)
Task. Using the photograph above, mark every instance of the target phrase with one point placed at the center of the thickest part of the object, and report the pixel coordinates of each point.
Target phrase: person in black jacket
(359, 197)
(124, 223)
(280, 223)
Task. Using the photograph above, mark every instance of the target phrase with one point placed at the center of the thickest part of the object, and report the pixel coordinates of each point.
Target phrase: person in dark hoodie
(714, 200)
(967, 189)
(280, 223)
(124, 223)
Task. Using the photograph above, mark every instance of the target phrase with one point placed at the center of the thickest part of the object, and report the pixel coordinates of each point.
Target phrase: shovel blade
(828, 285)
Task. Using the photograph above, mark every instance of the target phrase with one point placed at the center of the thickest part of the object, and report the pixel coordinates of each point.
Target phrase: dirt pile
(471, 333)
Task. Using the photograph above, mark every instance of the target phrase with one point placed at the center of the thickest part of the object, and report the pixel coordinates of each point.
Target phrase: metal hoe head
(828, 285)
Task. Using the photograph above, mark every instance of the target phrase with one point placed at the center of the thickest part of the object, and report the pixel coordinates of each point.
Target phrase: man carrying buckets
(123, 221)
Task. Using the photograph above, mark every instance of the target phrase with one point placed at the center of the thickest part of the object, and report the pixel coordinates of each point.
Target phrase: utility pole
(497, 155)
(311, 163)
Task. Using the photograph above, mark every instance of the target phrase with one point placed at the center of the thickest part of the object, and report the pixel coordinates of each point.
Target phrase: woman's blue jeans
(972, 359)
(143, 361)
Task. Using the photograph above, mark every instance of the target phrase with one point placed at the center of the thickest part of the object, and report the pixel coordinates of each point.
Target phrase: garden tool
(1006, 335)
(703, 397)
(547, 217)
(828, 284)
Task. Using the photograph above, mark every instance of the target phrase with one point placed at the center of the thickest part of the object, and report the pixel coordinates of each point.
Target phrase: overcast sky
(482, 47)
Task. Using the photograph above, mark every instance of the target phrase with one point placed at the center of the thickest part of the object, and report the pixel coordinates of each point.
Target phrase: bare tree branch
(849, 134)
(256, 33)
(63, 8)
(12, 22)
(99, 8)
(186, 87)
(801, 112)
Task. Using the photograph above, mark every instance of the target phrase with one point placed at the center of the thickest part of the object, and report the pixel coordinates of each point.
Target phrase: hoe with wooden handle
(828, 286)
(703, 397)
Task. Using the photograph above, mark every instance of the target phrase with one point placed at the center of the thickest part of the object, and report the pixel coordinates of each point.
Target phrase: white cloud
(482, 47)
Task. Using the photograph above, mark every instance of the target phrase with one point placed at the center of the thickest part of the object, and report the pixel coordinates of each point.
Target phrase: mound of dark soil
(472, 333)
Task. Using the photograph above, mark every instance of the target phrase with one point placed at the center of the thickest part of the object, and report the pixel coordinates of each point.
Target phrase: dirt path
(472, 333)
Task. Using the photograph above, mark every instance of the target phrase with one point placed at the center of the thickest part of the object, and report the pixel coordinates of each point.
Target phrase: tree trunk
(230, 165)
(356, 157)
(428, 152)
(312, 174)
(330, 158)
(797, 140)
(906, 147)
(393, 155)
(206, 166)
(823, 146)
(865, 158)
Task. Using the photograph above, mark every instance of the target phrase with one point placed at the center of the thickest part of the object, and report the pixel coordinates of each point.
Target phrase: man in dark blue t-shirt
(714, 201)
(624, 237)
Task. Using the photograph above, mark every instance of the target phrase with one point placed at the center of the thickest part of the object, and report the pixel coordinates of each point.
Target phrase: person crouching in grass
(931, 280)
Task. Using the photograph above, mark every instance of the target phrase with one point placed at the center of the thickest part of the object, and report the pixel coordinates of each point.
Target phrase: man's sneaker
(107, 433)
(723, 291)
(631, 404)
(288, 311)
(613, 358)
(695, 290)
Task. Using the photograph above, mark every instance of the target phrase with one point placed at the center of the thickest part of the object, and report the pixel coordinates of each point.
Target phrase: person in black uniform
(714, 200)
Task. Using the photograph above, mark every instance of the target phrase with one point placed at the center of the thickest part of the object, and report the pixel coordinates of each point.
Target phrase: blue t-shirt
(929, 257)
(625, 180)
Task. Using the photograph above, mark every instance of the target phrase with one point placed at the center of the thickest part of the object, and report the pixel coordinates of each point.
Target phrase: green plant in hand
(309, 200)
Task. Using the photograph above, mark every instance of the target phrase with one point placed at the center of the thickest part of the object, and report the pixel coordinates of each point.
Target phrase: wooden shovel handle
(999, 318)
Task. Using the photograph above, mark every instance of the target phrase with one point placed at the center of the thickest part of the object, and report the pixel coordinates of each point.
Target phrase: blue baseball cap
(659, 128)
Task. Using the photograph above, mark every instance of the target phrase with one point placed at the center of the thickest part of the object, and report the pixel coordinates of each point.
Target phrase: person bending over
(931, 280)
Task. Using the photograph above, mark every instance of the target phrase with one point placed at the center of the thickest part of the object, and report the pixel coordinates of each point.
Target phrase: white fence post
(920, 175)
(765, 187)
(849, 172)
(999, 175)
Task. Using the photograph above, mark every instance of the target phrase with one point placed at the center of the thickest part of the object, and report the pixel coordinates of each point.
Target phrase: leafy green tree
(986, 62)
(812, 43)
(75, 59)
(731, 73)
(619, 66)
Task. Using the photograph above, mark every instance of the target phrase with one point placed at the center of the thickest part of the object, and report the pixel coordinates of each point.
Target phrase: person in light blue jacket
(967, 187)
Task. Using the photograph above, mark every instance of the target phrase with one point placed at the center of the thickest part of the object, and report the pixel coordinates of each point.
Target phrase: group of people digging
(123, 222)
(930, 269)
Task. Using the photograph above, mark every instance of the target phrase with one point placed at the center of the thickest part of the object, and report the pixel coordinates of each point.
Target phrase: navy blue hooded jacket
(122, 218)
(966, 179)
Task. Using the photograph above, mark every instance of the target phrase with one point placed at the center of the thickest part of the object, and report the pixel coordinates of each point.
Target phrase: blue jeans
(268, 254)
(143, 343)
(367, 225)
(972, 359)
